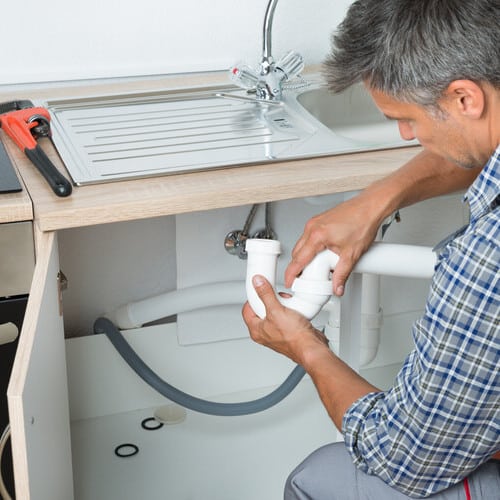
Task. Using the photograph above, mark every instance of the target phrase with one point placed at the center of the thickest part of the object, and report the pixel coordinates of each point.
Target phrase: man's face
(440, 133)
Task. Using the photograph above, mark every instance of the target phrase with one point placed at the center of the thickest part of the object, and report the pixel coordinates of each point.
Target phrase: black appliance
(11, 311)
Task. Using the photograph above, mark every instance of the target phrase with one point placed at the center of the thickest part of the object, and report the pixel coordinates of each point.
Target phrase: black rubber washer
(119, 448)
(145, 424)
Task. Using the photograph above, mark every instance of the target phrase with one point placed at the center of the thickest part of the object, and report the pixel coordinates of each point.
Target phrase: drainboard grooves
(166, 149)
(170, 117)
(164, 137)
(117, 139)
(181, 152)
(203, 122)
(150, 113)
(222, 127)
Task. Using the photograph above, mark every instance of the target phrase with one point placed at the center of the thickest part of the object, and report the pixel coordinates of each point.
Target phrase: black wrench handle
(59, 184)
(6, 107)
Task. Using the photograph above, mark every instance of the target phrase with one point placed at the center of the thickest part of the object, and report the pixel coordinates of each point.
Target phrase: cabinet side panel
(38, 394)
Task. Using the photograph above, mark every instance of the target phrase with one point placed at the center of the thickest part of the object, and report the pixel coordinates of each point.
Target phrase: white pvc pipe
(313, 288)
(8, 333)
(136, 314)
(371, 318)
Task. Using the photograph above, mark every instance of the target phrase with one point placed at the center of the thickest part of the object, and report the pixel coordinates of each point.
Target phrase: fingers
(266, 294)
(340, 275)
(265, 291)
(256, 325)
(345, 230)
(249, 316)
(284, 330)
(293, 269)
(304, 251)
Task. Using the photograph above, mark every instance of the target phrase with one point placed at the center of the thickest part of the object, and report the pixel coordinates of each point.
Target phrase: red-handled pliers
(24, 123)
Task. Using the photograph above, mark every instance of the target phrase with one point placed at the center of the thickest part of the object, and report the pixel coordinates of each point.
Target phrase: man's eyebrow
(396, 118)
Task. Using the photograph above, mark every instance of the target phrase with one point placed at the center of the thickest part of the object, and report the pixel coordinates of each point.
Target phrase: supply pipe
(313, 288)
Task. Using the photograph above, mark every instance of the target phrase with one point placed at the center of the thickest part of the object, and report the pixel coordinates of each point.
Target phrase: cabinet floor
(203, 457)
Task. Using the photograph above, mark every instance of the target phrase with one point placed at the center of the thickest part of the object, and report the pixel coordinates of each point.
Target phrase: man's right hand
(347, 230)
(350, 228)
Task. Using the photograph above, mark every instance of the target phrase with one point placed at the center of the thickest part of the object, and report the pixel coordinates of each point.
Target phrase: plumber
(434, 67)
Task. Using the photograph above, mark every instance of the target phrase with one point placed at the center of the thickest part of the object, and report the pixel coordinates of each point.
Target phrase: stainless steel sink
(353, 115)
(107, 138)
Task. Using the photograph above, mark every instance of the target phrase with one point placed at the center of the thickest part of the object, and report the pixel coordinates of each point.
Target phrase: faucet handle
(244, 76)
(291, 64)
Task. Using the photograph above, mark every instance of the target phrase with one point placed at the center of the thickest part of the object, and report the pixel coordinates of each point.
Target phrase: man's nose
(406, 131)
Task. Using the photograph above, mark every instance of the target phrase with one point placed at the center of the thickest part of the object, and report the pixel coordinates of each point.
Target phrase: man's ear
(465, 97)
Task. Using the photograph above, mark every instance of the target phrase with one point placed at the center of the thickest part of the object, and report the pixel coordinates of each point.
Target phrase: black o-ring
(119, 453)
(145, 422)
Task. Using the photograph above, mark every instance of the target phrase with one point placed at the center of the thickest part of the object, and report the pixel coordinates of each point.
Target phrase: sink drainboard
(139, 135)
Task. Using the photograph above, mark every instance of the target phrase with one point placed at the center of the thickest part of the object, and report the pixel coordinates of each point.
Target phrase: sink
(122, 136)
(353, 115)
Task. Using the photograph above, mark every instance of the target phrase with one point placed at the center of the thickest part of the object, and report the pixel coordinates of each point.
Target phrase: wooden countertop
(180, 193)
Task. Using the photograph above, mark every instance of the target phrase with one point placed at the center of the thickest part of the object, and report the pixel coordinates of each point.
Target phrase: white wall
(112, 264)
(81, 39)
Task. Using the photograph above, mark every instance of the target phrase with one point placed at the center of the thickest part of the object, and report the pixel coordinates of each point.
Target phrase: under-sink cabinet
(59, 458)
(73, 401)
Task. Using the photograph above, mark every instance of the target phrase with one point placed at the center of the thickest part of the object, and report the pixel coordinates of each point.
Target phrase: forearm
(337, 384)
(425, 176)
(350, 228)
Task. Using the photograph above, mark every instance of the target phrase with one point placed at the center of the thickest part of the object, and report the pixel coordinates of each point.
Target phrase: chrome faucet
(268, 80)
(266, 63)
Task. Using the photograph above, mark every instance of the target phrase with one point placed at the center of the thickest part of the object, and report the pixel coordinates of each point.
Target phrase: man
(434, 67)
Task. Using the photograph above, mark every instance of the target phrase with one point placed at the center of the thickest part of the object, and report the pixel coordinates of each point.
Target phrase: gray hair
(412, 50)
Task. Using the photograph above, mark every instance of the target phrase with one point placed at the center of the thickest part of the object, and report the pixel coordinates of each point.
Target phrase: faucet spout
(267, 58)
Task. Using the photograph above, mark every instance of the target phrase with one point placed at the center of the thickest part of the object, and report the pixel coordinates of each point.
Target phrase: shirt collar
(485, 190)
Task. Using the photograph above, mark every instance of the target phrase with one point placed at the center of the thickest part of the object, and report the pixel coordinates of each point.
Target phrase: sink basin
(353, 115)
(112, 137)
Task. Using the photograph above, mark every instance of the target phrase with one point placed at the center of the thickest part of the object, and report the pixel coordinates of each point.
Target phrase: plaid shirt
(441, 419)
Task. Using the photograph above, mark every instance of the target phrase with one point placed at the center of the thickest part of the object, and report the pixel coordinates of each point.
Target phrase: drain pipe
(136, 314)
(313, 288)
(371, 318)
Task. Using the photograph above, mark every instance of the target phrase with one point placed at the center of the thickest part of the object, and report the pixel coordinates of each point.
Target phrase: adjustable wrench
(24, 124)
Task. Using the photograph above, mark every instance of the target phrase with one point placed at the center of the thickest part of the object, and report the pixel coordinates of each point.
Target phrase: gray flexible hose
(104, 325)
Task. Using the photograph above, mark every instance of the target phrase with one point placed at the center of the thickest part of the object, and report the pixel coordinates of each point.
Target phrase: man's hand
(347, 230)
(350, 228)
(283, 330)
(289, 333)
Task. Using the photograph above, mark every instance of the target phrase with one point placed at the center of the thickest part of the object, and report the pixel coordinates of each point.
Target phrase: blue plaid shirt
(441, 419)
